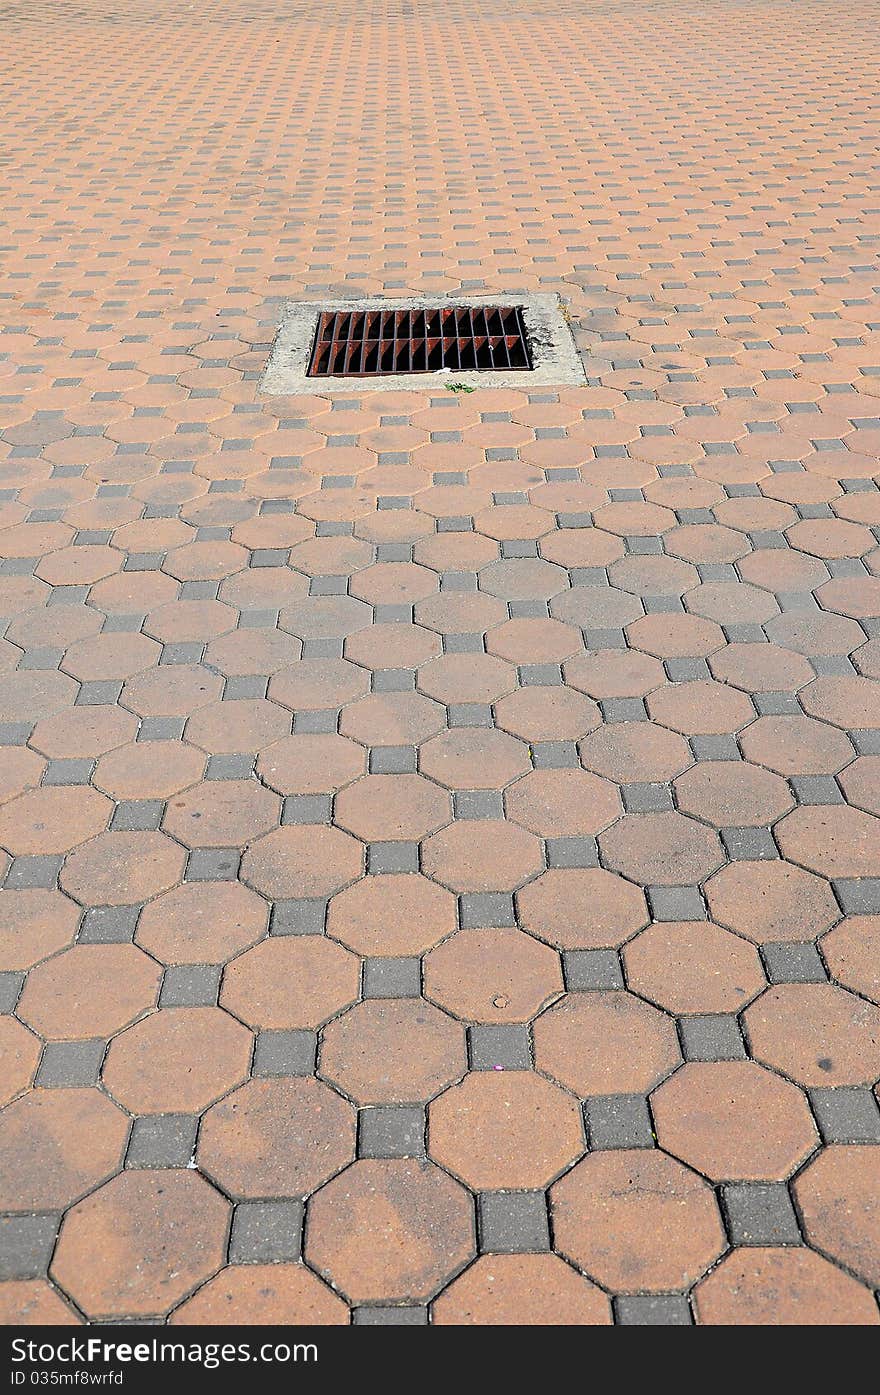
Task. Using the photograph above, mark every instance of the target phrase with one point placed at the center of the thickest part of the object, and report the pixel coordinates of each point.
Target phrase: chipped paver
(440, 831)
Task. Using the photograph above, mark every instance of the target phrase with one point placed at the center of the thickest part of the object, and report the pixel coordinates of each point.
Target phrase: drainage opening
(460, 338)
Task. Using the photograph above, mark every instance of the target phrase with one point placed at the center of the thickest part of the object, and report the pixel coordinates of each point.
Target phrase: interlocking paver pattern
(440, 831)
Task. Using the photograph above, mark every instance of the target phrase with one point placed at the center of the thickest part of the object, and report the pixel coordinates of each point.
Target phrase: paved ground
(443, 865)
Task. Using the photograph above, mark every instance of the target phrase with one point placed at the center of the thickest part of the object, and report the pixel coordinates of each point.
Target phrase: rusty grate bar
(462, 338)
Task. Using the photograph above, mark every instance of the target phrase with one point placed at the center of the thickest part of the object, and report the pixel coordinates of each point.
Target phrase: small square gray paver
(26, 1244)
(285, 1052)
(478, 804)
(619, 1121)
(70, 1063)
(760, 1213)
(857, 895)
(396, 856)
(846, 1114)
(653, 1310)
(793, 962)
(162, 1140)
(749, 844)
(392, 978)
(304, 916)
(402, 1316)
(572, 852)
(190, 985)
(108, 925)
(676, 903)
(37, 871)
(393, 760)
(213, 865)
(478, 909)
(307, 808)
(713, 1037)
(393, 1131)
(11, 984)
(137, 815)
(513, 1223)
(589, 969)
(266, 1232)
(500, 1046)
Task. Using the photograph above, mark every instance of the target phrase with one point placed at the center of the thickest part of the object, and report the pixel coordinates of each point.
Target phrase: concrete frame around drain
(555, 357)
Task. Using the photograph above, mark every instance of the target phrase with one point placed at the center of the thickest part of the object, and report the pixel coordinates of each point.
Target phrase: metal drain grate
(459, 338)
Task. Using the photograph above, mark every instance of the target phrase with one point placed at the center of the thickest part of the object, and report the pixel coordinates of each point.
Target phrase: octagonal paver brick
(291, 981)
(149, 769)
(675, 636)
(796, 745)
(534, 641)
(311, 763)
(53, 819)
(388, 1231)
(110, 655)
(732, 794)
(33, 1303)
(734, 1120)
(502, 859)
(759, 1286)
(19, 1054)
(538, 713)
(773, 900)
(276, 1138)
(202, 923)
(222, 814)
(34, 923)
(505, 1129)
(58, 1144)
(849, 702)
(121, 869)
(246, 652)
(141, 1243)
(283, 1294)
(693, 966)
(761, 668)
(852, 953)
(559, 803)
(403, 806)
(839, 1199)
(455, 678)
(512, 1290)
(314, 684)
(635, 751)
(178, 1061)
(614, 673)
(302, 861)
(587, 908)
(392, 914)
(392, 646)
(527, 578)
(637, 1221)
(28, 696)
(22, 771)
(89, 991)
(861, 783)
(816, 1033)
(241, 724)
(392, 719)
(661, 849)
(393, 1051)
(606, 1043)
(474, 758)
(700, 708)
(832, 839)
(82, 731)
(493, 975)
